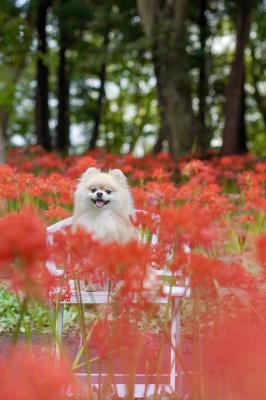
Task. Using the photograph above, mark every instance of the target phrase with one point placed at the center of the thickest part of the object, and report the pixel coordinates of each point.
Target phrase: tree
(260, 99)
(165, 24)
(234, 134)
(105, 73)
(42, 89)
(258, 57)
(202, 85)
(16, 39)
(62, 130)
(101, 91)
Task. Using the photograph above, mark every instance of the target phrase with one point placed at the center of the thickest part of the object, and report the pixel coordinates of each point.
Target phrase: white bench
(173, 294)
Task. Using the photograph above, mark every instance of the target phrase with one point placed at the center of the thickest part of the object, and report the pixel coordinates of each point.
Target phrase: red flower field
(216, 208)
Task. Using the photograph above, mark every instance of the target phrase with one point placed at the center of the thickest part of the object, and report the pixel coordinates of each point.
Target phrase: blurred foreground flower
(23, 252)
(85, 258)
(239, 358)
(123, 339)
(30, 375)
(261, 250)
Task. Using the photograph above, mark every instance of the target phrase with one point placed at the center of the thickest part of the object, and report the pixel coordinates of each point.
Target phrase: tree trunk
(101, 97)
(98, 113)
(260, 99)
(62, 139)
(158, 147)
(15, 74)
(234, 135)
(42, 91)
(164, 128)
(168, 36)
(4, 117)
(242, 136)
(202, 88)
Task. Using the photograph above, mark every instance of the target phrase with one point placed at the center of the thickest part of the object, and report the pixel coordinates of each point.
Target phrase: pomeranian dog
(103, 205)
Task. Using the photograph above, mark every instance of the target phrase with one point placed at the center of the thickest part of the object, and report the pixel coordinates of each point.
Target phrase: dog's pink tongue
(99, 203)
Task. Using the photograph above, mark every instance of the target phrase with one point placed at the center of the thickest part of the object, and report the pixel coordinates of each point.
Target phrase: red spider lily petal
(127, 263)
(23, 235)
(239, 357)
(160, 174)
(147, 222)
(160, 194)
(84, 258)
(261, 249)
(81, 165)
(252, 186)
(190, 222)
(23, 251)
(209, 269)
(56, 213)
(32, 375)
(73, 251)
(140, 198)
(123, 339)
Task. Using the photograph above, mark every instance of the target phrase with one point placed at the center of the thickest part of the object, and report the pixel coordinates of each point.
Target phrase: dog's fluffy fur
(104, 206)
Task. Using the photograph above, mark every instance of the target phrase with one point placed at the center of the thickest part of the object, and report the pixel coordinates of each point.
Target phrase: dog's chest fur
(107, 226)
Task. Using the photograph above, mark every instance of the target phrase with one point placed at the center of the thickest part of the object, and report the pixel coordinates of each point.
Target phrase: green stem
(23, 310)
(83, 331)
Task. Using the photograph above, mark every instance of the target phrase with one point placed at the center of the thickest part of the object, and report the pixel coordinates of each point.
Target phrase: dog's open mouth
(100, 203)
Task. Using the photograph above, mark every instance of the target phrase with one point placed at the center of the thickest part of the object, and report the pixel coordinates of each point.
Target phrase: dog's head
(98, 191)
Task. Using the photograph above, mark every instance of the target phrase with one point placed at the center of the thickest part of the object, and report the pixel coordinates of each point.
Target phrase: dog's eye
(93, 189)
(108, 191)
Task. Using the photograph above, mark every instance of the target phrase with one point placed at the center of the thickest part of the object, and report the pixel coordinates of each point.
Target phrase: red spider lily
(235, 163)
(53, 188)
(123, 340)
(217, 203)
(190, 223)
(138, 174)
(47, 162)
(254, 190)
(73, 251)
(238, 357)
(261, 249)
(128, 263)
(140, 168)
(35, 159)
(23, 251)
(245, 220)
(56, 187)
(160, 174)
(198, 172)
(56, 213)
(81, 165)
(261, 168)
(194, 167)
(160, 194)
(139, 196)
(83, 257)
(207, 270)
(61, 188)
(8, 187)
(35, 375)
(147, 222)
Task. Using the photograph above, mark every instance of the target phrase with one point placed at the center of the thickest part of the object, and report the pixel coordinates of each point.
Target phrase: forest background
(145, 76)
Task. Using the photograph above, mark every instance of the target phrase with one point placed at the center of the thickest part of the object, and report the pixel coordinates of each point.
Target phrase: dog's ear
(90, 172)
(118, 175)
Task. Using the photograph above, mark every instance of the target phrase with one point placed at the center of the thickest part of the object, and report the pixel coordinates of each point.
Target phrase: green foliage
(109, 33)
(37, 318)
(9, 309)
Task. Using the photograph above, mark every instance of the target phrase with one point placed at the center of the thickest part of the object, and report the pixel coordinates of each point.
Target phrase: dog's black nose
(99, 194)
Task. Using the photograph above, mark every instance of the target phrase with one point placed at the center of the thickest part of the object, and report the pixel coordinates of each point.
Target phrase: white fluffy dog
(104, 206)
